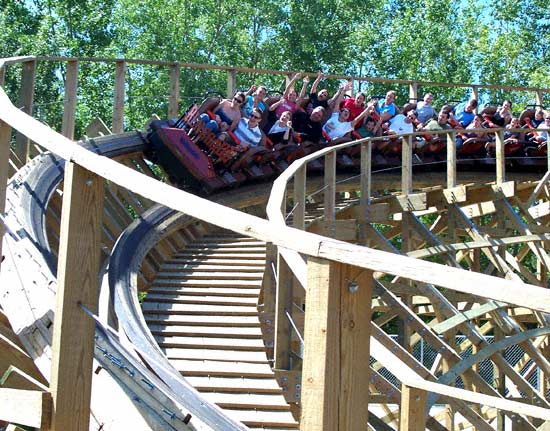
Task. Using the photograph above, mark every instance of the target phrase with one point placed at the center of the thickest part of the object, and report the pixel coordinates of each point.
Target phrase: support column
(412, 414)
(78, 269)
(120, 94)
(283, 304)
(335, 372)
(26, 99)
(298, 220)
(174, 104)
(5, 137)
(329, 192)
(231, 83)
(413, 92)
(69, 103)
(500, 160)
(451, 159)
(366, 184)
(406, 165)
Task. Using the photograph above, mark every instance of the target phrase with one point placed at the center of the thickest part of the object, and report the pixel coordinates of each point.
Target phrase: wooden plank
(97, 128)
(343, 230)
(119, 96)
(329, 197)
(258, 357)
(26, 99)
(412, 413)
(30, 408)
(406, 165)
(5, 137)
(13, 355)
(298, 220)
(78, 266)
(451, 160)
(283, 304)
(220, 310)
(234, 384)
(69, 101)
(174, 101)
(222, 368)
(15, 378)
(500, 158)
(229, 400)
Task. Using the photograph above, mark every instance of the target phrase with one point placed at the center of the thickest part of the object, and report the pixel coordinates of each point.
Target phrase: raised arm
(334, 102)
(316, 82)
(290, 84)
(362, 115)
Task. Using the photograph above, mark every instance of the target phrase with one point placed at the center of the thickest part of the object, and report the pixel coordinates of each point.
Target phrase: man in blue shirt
(464, 112)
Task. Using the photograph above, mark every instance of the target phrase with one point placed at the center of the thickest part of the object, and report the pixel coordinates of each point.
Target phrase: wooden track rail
(339, 280)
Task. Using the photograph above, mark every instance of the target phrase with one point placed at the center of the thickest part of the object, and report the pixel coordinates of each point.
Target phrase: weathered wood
(329, 191)
(174, 101)
(30, 408)
(97, 128)
(26, 99)
(283, 305)
(413, 92)
(344, 230)
(451, 160)
(13, 355)
(500, 160)
(77, 284)
(69, 102)
(406, 165)
(119, 95)
(412, 415)
(5, 137)
(231, 82)
(298, 219)
(334, 378)
(15, 378)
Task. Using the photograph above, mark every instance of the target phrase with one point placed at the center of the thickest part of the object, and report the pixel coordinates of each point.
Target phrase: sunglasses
(257, 117)
(236, 99)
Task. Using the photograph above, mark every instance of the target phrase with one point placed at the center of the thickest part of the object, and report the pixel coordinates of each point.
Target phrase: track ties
(202, 310)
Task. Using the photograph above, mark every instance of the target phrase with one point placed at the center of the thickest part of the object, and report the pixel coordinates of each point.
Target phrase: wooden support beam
(5, 137)
(78, 268)
(298, 219)
(26, 99)
(412, 415)
(406, 165)
(174, 104)
(336, 334)
(413, 92)
(365, 192)
(231, 82)
(283, 304)
(15, 378)
(451, 160)
(329, 192)
(69, 102)
(120, 94)
(538, 98)
(500, 159)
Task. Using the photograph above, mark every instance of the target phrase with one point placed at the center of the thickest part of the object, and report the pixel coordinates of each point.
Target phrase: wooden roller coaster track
(261, 325)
